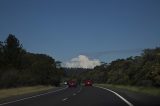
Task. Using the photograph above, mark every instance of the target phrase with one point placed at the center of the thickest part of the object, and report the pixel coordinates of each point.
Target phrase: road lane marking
(74, 94)
(79, 90)
(32, 96)
(126, 101)
(64, 99)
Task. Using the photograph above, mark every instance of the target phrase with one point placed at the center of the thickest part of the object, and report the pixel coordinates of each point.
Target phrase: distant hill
(72, 72)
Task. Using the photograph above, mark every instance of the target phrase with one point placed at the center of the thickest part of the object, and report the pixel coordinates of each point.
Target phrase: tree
(58, 64)
(1, 58)
(1, 54)
(12, 51)
(21, 68)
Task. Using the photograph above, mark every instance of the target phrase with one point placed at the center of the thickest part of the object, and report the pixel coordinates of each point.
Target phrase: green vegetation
(141, 70)
(22, 90)
(21, 68)
(146, 90)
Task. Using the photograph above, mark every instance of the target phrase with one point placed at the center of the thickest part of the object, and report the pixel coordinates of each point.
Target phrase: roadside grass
(147, 90)
(4, 93)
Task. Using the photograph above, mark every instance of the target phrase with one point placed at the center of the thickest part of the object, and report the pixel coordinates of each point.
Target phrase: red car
(72, 83)
(88, 82)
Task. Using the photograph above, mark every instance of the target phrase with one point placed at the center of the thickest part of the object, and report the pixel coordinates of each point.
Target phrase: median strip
(5, 93)
(32, 96)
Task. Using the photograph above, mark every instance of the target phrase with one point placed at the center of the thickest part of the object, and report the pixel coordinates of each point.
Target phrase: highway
(79, 96)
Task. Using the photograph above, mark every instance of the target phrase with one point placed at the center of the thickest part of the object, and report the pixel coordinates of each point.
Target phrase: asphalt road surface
(79, 96)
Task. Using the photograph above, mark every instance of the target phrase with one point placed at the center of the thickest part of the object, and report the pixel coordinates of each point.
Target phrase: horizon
(89, 30)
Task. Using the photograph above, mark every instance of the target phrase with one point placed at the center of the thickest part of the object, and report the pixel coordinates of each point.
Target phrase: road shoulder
(136, 98)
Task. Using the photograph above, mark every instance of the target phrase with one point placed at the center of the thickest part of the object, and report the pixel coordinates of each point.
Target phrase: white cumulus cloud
(82, 61)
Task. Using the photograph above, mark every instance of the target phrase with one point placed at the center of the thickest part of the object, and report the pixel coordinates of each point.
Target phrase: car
(65, 82)
(72, 83)
(88, 82)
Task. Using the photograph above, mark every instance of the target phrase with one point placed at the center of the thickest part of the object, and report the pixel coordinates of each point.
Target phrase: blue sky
(65, 29)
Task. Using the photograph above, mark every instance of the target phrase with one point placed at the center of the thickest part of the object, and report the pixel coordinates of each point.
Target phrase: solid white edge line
(126, 101)
(32, 96)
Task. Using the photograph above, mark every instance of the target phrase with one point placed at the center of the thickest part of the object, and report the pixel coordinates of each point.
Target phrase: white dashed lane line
(64, 99)
(79, 90)
(74, 94)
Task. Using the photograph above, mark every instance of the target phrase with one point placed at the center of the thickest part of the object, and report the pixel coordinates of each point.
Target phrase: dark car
(72, 83)
(88, 82)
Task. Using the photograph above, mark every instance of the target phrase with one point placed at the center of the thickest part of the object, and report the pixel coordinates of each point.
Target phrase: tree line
(141, 70)
(21, 68)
